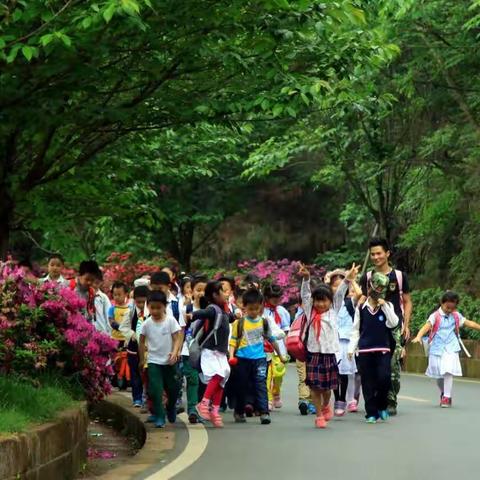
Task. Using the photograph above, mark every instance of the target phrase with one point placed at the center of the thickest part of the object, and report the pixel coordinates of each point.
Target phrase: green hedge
(424, 301)
(23, 403)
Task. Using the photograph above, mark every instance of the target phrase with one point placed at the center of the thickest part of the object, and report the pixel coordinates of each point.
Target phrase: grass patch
(22, 403)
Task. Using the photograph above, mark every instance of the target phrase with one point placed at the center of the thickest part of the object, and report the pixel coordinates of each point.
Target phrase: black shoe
(239, 418)
(193, 418)
(392, 410)
(303, 407)
(265, 419)
(249, 410)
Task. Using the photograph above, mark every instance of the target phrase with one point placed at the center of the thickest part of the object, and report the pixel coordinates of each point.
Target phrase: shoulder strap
(240, 327)
(369, 276)
(399, 275)
(266, 327)
(456, 316)
(436, 325)
(199, 335)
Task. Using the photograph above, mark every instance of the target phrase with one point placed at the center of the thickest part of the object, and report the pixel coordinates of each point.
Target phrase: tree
(78, 76)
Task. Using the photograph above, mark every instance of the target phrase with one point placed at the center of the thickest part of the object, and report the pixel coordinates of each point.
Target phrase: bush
(425, 301)
(283, 273)
(43, 330)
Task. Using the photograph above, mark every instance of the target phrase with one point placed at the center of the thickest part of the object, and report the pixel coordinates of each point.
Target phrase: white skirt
(439, 365)
(345, 365)
(214, 363)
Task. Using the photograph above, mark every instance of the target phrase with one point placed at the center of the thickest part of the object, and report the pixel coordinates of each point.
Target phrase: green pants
(191, 375)
(396, 369)
(163, 378)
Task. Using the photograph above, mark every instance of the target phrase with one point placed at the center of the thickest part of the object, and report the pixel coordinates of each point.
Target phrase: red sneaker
(320, 422)
(352, 407)
(216, 418)
(327, 413)
(203, 409)
(446, 402)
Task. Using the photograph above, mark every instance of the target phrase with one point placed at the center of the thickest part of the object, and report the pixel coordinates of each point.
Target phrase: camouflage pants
(396, 368)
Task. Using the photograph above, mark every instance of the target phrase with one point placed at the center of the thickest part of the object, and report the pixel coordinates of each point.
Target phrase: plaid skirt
(322, 371)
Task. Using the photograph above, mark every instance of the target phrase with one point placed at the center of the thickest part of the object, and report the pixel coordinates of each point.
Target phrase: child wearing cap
(373, 342)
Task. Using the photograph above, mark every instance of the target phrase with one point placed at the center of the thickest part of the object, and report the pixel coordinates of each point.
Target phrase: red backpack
(296, 338)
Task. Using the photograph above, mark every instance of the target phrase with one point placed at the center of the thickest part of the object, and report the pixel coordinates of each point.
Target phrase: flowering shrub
(41, 328)
(122, 267)
(282, 272)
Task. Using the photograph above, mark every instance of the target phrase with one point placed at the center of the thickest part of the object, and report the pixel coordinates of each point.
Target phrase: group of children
(224, 342)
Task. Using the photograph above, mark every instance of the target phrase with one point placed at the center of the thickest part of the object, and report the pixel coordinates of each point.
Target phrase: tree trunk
(6, 214)
(185, 241)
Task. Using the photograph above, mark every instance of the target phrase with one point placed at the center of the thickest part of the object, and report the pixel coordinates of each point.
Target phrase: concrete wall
(417, 361)
(52, 451)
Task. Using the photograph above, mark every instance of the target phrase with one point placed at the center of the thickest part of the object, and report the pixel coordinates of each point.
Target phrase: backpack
(240, 328)
(175, 309)
(296, 338)
(399, 275)
(196, 345)
(436, 327)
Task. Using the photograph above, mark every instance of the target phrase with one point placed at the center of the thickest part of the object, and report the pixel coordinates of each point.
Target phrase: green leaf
(109, 12)
(291, 111)
(27, 52)
(13, 53)
(46, 39)
(86, 22)
(277, 110)
(2, 43)
(283, 4)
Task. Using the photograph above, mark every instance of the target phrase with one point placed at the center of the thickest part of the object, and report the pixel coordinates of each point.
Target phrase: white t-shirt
(159, 340)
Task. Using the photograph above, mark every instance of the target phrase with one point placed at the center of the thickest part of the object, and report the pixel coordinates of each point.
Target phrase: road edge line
(194, 449)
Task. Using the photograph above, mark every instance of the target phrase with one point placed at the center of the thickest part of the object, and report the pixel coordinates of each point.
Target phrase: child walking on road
(445, 344)
(161, 333)
(247, 348)
(321, 338)
(213, 361)
(372, 338)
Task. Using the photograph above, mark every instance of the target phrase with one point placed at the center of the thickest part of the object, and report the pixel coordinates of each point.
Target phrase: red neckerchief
(274, 310)
(316, 322)
(90, 307)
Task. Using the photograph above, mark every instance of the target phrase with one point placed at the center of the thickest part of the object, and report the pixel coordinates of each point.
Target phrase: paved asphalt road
(423, 442)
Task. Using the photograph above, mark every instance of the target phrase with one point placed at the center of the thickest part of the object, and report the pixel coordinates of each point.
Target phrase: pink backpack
(436, 325)
(296, 339)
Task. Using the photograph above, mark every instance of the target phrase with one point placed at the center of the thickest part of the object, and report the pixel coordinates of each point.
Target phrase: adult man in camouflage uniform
(399, 295)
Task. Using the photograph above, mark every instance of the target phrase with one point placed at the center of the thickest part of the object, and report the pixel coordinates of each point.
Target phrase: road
(422, 442)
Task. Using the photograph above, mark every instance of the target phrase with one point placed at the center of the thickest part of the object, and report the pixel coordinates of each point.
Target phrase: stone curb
(154, 443)
(54, 450)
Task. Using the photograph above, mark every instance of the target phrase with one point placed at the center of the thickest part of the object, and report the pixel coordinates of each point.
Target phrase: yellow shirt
(250, 346)
(117, 314)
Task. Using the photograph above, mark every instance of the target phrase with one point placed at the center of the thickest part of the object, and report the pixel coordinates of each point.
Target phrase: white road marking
(456, 379)
(413, 399)
(197, 443)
